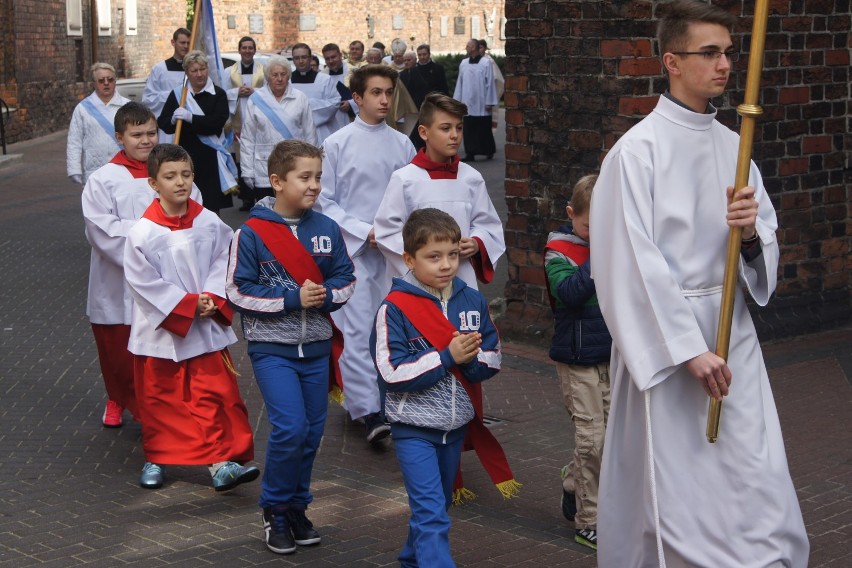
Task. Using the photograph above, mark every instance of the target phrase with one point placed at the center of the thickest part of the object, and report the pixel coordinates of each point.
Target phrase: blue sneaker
(232, 474)
(152, 476)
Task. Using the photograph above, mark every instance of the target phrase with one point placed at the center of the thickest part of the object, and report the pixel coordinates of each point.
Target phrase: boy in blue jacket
(288, 269)
(581, 346)
(433, 343)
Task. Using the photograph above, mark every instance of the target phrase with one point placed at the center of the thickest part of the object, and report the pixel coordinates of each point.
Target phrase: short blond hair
(195, 56)
(581, 196)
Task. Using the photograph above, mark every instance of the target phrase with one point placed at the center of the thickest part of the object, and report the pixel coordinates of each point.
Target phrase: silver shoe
(152, 476)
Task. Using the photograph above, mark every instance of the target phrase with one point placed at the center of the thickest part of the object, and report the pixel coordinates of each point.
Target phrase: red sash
(299, 263)
(576, 252)
(439, 332)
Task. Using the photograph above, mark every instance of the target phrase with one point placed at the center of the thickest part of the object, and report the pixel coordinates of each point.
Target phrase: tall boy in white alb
(358, 163)
(660, 222)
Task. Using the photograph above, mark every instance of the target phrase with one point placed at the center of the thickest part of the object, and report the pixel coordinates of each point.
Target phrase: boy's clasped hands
(205, 308)
(465, 347)
(312, 295)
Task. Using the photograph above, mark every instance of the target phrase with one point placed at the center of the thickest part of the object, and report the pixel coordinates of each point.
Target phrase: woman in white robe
(273, 113)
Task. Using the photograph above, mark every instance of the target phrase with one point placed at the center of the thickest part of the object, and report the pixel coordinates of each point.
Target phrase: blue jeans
(428, 471)
(296, 395)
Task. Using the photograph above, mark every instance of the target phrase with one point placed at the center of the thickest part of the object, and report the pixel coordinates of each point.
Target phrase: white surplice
(325, 103)
(161, 267)
(90, 146)
(113, 200)
(358, 163)
(161, 82)
(658, 233)
(475, 86)
(465, 199)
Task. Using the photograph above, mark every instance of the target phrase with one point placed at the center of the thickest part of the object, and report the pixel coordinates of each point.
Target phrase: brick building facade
(579, 74)
(43, 69)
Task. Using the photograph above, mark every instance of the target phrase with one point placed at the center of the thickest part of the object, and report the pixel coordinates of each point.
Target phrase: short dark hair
(379, 45)
(330, 47)
(301, 46)
(132, 114)
(356, 42)
(425, 224)
(180, 32)
(282, 160)
(482, 43)
(439, 101)
(245, 39)
(581, 196)
(673, 29)
(359, 78)
(424, 46)
(162, 153)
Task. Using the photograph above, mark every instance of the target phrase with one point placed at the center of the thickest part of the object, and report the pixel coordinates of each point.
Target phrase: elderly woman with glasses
(91, 136)
(204, 116)
(273, 113)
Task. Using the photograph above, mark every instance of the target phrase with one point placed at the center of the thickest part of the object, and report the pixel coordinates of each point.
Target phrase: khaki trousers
(586, 393)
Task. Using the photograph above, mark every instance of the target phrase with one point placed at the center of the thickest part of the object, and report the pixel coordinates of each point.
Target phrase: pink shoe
(112, 414)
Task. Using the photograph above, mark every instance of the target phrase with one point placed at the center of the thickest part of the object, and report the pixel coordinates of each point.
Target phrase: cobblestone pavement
(68, 487)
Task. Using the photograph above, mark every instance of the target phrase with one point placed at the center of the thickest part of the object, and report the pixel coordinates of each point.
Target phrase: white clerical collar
(372, 127)
(684, 116)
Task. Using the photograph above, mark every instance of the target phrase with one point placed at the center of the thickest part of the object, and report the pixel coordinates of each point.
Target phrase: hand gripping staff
(749, 110)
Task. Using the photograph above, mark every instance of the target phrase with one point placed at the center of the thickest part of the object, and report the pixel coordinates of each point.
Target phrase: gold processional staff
(749, 110)
(182, 102)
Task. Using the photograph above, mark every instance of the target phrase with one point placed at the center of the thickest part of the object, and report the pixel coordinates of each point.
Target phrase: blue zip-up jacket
(580, 333)
(267, 296)
(415, 378)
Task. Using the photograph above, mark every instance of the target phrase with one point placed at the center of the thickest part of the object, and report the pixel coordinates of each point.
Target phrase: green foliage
(451, 66)
(190, 13)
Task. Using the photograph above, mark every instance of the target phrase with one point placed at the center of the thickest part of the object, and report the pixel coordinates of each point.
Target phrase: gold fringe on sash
(336, 395)
(462, 495)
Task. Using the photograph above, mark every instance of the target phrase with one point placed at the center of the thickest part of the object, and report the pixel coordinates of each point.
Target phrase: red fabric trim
(299, 263)
(482, 266)
(437, 170)
(181, 318)
(155, 214)
(192, 410)
(116, 364)
(136, 168)
(439, 332)
(225, 313)
(576, 252)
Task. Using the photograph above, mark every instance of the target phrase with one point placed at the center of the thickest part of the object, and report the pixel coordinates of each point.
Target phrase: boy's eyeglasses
(106, 80)
(712, 55)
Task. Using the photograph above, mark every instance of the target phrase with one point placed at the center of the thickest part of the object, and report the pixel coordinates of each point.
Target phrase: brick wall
(579, 74)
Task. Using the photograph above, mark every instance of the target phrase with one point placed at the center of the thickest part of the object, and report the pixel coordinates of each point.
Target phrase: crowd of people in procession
(356, 278)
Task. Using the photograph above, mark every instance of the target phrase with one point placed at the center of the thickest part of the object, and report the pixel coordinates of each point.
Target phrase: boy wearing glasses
(91, 136)
(660, 219)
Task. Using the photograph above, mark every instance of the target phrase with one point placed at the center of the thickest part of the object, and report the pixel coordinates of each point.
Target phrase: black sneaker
(569, 505)
(276, 529)
(587, 537)
(303, 530)
(377, 428)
